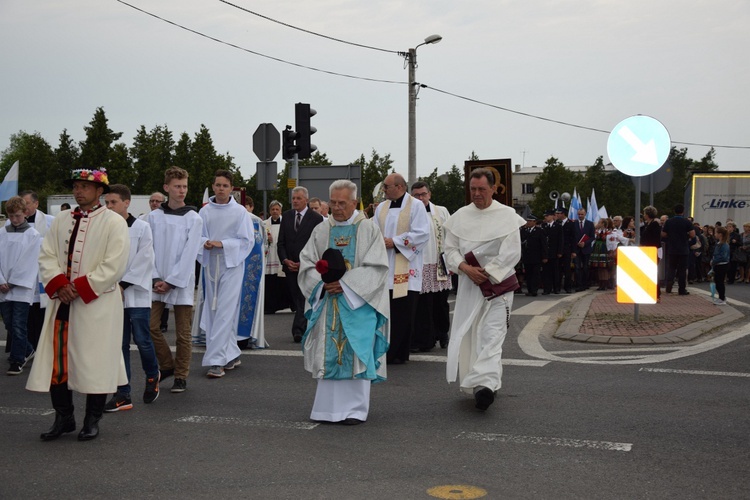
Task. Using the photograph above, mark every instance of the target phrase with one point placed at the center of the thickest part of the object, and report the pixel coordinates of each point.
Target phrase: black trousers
(677, 266)
(551, 275)
(299, 325)
(442, 312)
(582, 271)
(403, 313)
(424, 330)
(533, 275)
(565, 274)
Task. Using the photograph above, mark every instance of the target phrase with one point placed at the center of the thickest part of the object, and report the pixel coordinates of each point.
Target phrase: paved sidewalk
(597, 317)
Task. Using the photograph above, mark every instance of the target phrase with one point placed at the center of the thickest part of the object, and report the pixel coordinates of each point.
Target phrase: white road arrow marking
(644, 153)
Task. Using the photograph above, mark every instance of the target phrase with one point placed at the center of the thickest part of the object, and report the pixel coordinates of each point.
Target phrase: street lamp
(411, 60)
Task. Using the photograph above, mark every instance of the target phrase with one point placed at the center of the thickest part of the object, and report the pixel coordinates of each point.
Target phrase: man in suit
(583, 237)
(534, 253)
(565, 276)
(551, 269)
(297, 225)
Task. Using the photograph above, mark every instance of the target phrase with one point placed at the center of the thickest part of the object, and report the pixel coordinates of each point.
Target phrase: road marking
(528, 341)
(536, 307)
(604, 351)
(547, 441)
(457, 492)
(695, 372)
(249, 422)
(25, 411)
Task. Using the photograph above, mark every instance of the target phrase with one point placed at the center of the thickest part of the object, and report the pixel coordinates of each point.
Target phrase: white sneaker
(719, 302)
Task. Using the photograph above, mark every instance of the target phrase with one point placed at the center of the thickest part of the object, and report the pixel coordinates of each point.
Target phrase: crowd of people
(76, 289)
(561, 255)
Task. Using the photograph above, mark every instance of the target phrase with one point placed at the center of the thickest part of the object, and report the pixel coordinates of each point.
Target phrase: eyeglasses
(420, 195)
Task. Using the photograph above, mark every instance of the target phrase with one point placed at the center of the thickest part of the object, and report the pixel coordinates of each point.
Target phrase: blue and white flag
(9, 187)
(575, 204)
(592, 213)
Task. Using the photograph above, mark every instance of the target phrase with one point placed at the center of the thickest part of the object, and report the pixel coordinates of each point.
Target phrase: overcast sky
(590, 63)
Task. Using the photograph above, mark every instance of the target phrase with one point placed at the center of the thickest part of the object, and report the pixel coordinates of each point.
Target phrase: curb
(570, 328)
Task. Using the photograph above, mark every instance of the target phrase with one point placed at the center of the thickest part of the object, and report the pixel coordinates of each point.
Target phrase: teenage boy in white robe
(226, 238)
(176, 228)
(135, 287)
(19, 253)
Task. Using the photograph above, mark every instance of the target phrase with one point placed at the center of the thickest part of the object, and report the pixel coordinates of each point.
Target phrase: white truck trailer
(712, 197)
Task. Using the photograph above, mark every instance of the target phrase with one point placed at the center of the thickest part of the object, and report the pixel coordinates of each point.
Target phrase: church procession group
(76, 289)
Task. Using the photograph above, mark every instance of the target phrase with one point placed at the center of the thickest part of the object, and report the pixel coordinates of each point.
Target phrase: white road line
(528, 341)
(695, 372)
(25, 411)
(536, 307)
(547, 441)
(249, 422)
(605, 351)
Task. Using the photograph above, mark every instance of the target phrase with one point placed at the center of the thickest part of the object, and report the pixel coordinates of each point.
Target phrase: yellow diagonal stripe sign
(637, 275)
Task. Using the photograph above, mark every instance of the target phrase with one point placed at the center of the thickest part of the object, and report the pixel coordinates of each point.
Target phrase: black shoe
(152, 389)
(297, 338)
(683, 293)
(180, 385)
(119, 402)
(63, 424)
(395, 361)
(352, 421)
(444, 342)
(90, 428)
(15, 369)
(163, 374)
(545, 293)
(484, 397)
(414, 349)
(529, 294)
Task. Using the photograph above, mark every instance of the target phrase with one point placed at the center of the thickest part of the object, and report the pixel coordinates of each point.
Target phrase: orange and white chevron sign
(637, 275)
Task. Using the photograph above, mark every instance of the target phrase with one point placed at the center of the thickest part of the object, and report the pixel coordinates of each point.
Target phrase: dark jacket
(588, 230)
(292, 242)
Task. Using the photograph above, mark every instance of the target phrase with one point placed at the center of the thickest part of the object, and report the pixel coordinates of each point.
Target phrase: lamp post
(411, 60)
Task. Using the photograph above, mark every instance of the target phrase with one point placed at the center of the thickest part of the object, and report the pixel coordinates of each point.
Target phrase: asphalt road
(652, 428)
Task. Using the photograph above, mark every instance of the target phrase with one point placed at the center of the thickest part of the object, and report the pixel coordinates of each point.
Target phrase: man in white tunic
(176, 228)
(19, 269)
(482, 245)
(83, 258)
(406, 229)
(432, 306)
(136, 295)
(227, 233)
(347, 309)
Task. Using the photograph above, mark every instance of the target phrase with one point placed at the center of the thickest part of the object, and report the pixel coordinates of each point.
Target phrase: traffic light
(302, 114)
(289, 148)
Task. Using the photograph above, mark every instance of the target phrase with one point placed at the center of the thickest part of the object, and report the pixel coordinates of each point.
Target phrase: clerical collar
(277, 221)
(21, 228)
(31, 218)
(397, 203)
(427, 207)
(347, 222)
(130, 220)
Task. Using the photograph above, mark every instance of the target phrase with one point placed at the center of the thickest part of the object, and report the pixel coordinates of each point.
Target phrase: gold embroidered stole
(401, 272)
(438, 231)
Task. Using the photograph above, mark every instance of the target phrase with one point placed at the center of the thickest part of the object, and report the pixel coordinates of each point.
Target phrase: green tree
(120, 166)
(97, 147)
(374, 171)
(35, 160)
(66, 157)
(152, 153)
(554, 177)
(204, 161)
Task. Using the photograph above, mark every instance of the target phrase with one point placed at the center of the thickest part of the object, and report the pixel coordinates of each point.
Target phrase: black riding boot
(62, 402)
(94, 410)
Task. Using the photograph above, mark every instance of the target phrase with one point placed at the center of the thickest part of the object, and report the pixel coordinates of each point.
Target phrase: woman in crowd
(746, 249)
(737, 257)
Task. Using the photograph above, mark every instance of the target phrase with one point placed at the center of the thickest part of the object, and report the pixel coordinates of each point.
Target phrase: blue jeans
(137, 323)
(15, 316)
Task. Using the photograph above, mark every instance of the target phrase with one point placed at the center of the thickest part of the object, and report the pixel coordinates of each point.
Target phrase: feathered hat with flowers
(84, 174)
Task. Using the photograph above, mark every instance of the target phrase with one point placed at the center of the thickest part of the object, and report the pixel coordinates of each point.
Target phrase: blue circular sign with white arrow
(638, 146)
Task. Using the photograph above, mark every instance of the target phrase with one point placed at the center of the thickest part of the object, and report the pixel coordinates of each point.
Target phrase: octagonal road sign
(638, 145)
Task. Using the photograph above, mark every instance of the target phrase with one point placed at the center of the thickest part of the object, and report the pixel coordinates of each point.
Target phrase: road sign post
(638, 146)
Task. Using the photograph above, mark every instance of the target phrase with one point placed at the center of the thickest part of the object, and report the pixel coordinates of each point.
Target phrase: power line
(559, 122)
(354, 77)
(307, 31)
(377, 80)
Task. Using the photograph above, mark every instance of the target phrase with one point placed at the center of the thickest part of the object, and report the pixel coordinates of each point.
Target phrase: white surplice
(19, 264)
